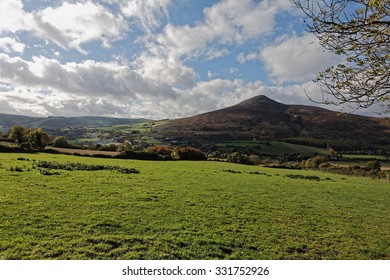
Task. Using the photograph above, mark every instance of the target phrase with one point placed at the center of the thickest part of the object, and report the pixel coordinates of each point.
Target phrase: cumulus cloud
(88, 79)
(225, 23)
(72, 24)
(156, 77)
(296, 59)
(8, 45)
(69, 25)
(14, 18)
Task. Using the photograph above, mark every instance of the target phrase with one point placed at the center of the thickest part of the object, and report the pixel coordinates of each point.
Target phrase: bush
(315, 162)
(374, 165)
(298, 176)
(160, 150)
(108, 148)
(254, 160)
(237, 157)
(325, 165)
(139, 155)
(61, 142)
(188, 153)
(27, 146)
(71, 166)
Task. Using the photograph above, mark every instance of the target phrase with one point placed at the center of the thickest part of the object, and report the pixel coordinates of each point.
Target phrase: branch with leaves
(360, 32)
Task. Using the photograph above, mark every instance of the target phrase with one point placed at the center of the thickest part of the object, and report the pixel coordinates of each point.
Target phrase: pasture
(276, 147)
(187, 210)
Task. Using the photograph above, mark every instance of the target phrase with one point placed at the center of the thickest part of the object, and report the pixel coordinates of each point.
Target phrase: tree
(17, 133)
(61, 142)
(37, 137)
(360, 32)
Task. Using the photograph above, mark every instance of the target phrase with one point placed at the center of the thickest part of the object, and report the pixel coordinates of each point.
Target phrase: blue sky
(153, 58)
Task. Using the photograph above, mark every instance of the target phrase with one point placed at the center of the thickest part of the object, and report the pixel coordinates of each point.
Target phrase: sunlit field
(186, 210)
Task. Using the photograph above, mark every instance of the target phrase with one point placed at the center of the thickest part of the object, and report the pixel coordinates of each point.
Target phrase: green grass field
(142, 127)
(188, 210)
(276, 147)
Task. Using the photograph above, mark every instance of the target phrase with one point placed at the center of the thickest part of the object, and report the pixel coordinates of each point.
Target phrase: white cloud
(208, 53)
(13, 17)
(148, 13)
(243, 58)
(88, 78)
(71, 25)
(226, 22)
(296, 59)
(163, 68)
(157, 81)
(8, 45)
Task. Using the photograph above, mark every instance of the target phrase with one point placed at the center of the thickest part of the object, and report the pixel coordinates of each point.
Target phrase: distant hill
(50, 123)
(265, 119)
(259, 118)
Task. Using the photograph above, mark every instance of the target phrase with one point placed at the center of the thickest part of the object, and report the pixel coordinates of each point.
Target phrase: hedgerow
(72, 166)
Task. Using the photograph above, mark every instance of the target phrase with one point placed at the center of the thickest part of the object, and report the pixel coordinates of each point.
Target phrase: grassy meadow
(276, 147)
(187, 210)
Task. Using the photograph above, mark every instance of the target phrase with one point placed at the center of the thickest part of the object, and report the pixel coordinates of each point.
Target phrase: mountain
(259, 117)
(265, 119)
(49, 123)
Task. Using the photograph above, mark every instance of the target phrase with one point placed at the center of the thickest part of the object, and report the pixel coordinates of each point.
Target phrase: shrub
(374, 165)
(160, 150)
(71, 166)
(325, 165)
(298, 176)
(237, 157)
(108, 148)
(61, 142)
(48, 172)
(315, 162)
(22, 158)
(254, 160)
(27, 146)
(139, 155)
(188, 153)
(231, 171)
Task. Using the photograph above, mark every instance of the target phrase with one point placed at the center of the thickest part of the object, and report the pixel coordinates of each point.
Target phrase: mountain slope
(7, 121)
(265, 119)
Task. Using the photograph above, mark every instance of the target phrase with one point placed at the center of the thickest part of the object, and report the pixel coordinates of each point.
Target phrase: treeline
(27, 138)
(345, 145)
(35, 139)
(164, 153)
(372, 168)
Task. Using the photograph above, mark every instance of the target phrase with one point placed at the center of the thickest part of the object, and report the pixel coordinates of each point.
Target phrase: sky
(154, 59)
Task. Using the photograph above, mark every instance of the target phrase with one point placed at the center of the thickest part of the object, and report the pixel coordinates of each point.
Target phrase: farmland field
(187, 210)
(276, 147)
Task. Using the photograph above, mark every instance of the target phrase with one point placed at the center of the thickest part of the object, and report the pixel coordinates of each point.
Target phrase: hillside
(58, 122)
(259, 118)
(265, 119)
